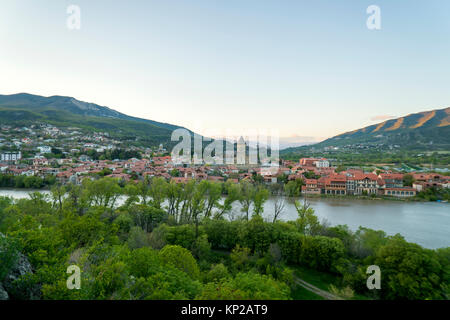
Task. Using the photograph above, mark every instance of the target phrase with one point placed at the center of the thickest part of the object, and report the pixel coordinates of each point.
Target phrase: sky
(307, 69)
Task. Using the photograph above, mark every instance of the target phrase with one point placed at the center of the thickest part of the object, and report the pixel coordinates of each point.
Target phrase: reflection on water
(425, 223)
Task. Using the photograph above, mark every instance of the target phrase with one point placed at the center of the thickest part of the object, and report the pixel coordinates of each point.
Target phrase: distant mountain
(25, 109)
(428, 130)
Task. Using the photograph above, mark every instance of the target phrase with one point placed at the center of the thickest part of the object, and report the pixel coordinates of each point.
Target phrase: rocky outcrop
(8, 287)
(3, 294)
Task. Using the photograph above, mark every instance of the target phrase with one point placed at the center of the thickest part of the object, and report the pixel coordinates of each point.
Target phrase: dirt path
(324, 294)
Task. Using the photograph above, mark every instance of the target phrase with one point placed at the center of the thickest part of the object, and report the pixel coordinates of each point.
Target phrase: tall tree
(278, 206)
(247, 196)
(260, 197)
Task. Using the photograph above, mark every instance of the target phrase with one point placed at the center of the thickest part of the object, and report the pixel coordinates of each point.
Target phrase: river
(425, 223)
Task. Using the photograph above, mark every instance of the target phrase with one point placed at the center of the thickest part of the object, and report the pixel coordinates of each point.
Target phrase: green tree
(307, 222)
(233, 194)
(181, 259)
(408, 180)
(408, 271)
(260, 196)
(246, 286)
(247, 196)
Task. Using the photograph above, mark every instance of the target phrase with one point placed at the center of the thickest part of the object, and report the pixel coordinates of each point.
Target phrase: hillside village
(70, 155)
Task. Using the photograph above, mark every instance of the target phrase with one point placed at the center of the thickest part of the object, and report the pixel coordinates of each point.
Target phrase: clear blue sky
(306, 68)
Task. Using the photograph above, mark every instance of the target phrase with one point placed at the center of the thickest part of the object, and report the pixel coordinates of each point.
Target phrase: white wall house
(322, 164)
(44, 149)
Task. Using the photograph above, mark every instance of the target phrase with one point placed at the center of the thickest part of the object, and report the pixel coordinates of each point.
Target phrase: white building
(322, 163)
(44, 149)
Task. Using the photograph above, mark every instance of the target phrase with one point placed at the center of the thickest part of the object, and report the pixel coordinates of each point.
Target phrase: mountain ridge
(65, 111)
(96, 110)
(428, 130)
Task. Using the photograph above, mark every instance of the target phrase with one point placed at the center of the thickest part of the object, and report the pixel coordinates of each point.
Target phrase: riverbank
(361, 197)
(303, 196)
(425, 223)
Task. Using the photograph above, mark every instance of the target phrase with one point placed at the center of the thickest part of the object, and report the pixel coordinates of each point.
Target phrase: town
(56, 155)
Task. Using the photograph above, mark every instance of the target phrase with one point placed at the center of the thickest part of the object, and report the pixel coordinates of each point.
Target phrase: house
(44, 149)
(322, 163)
(284, 170)
(312, 162)
(311, 187)
(270, 179)
(392, 180)
(40, 162)
(398, 192)
(423, 185)
(180, 180)
(120, 176)
(427, 177)
(364, 183)
(84, 158)
(217, 179)
(335, 184)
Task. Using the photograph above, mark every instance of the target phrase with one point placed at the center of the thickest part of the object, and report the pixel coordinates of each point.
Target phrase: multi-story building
(317, 162)
(322, 163)
(398, 192)
(334, 184)
(365, 183)
(311, 187)
(392, 180)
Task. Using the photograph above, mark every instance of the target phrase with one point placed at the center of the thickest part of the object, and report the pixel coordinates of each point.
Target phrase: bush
(241, 257)
(223, 234)
(258, 235)
(9, 255)
(144, 262)
(183, 235)
(137, 238)
(409, 271)
(217, 273)
(157, 239)
(322, 253)
(181, 259)
(291, 245)
(201, 248)
(246, 286)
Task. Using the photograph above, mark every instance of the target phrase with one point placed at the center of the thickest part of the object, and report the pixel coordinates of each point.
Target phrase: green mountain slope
(429, 130)
(25, 109)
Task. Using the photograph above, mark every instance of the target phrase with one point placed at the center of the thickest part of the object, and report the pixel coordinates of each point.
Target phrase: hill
(428, 130)
(24, 109)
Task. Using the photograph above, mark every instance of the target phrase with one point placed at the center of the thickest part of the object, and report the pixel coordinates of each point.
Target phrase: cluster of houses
(358, 182)
(317, 174)
(41, 139)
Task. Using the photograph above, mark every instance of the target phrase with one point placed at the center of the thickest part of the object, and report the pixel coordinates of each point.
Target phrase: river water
(425, 223)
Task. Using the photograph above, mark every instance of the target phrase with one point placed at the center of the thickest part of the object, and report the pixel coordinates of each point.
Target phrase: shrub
(137, 238)
(321, 253)
(246, 286)
(217, 273)
(181, 259)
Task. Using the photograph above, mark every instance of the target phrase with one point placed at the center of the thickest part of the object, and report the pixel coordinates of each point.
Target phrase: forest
(161, 240)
